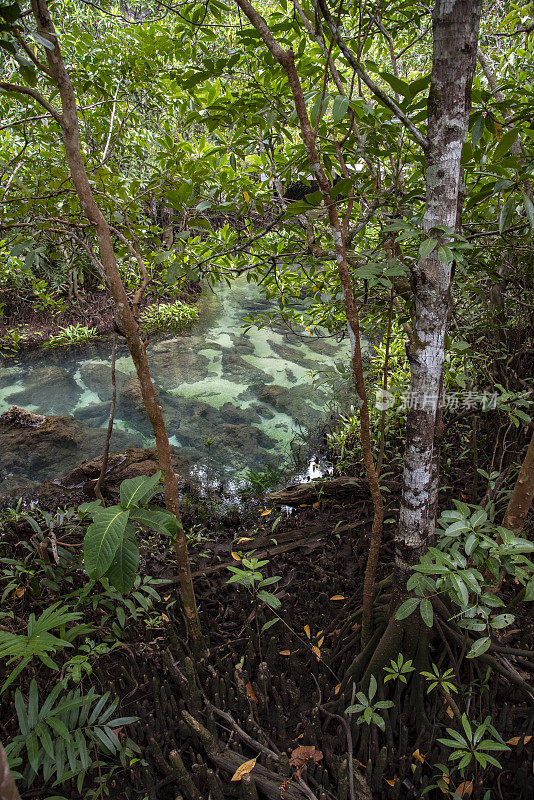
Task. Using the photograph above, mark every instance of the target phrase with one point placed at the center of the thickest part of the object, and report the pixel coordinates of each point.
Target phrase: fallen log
(310, 541)
(298, 494)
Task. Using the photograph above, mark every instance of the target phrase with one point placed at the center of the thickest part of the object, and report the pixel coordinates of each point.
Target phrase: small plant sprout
(444, 681)
(251, 577)
(369, 710)
(471, 744)
(399, 669)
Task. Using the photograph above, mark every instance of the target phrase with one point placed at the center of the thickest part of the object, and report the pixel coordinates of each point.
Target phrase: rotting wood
(303, 493)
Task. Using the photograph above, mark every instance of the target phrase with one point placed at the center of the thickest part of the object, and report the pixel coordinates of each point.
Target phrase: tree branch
(369, 82)
(15, 87)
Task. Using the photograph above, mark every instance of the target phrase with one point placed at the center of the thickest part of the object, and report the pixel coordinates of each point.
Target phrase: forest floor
(267, 695)
(35, 323)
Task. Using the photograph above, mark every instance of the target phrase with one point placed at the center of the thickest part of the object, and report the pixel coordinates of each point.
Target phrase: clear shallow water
(232, 400)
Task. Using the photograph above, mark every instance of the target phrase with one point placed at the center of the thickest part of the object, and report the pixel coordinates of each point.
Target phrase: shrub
(168, 315)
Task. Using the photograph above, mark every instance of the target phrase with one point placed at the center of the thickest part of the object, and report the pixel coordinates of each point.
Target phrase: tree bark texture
(523, 494)
(455, 37)
(8, 789)
(68, 120)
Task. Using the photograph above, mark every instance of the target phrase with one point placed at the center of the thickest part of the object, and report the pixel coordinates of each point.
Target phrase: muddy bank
(93, 308)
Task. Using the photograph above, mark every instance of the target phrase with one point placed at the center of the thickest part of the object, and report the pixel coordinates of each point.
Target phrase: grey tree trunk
(455, 38)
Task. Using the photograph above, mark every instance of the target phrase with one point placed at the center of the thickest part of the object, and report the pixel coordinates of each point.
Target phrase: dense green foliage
(195, 156)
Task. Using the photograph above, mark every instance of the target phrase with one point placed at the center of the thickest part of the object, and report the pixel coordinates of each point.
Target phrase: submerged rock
(97, 378)
(95, 414)
(49, 388)
(77, 486)
(33, 446)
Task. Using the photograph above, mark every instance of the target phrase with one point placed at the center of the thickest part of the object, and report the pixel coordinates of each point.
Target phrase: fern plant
(39, 641)
(67, 736)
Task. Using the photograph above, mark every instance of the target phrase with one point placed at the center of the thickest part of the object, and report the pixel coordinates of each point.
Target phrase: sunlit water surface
(233, 400)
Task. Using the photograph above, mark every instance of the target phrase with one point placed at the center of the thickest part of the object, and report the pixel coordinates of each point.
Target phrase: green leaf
(267, 625)
(445, 254)
(269, 599)
(135, 491)
(427, 613)
(398, 86)
(372, 687)
(426, 247)
(529, 590)
(477, 130)
(339, 107)
(180, 195)
(478, 518)
(461, 589)
(504, 145)
(407, 608)
(529, 209)
(506, 214)
(466, 725)
(156, 518)
(103, 538)
(34, 751)
(502, 621)
(123, 568)
(479, 647)
(82, 749)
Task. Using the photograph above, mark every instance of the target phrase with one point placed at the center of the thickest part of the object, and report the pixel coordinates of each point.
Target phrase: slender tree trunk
(523, 494)
(105, 457)
(287, 60)
(455, 37)
(68, 121)
(8, 789)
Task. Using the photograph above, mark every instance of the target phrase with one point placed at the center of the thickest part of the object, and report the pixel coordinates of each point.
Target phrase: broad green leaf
(102, 539)
(339, 107)
(135, 491)
(269, 599)
(478, 517)
(460, 588)
(506, 214)
(427, 613)
(427, 247)
(529, 590)
(123, 568)
(398, 85)
(407, 608)
(479, 647)
(504, 145)
(529, 209)
(156, 518)
(445, 254)
(502, 621)
(180, 195)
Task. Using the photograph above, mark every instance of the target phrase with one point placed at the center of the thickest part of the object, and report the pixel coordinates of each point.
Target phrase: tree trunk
(8, 789)
(286, 59)
(455, 36)
(523, 494)
(126, 317)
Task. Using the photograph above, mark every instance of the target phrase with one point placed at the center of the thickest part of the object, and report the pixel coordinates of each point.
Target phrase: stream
(233, 400)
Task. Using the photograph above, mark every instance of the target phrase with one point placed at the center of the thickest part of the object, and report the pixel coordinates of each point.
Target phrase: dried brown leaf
(244, 769)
